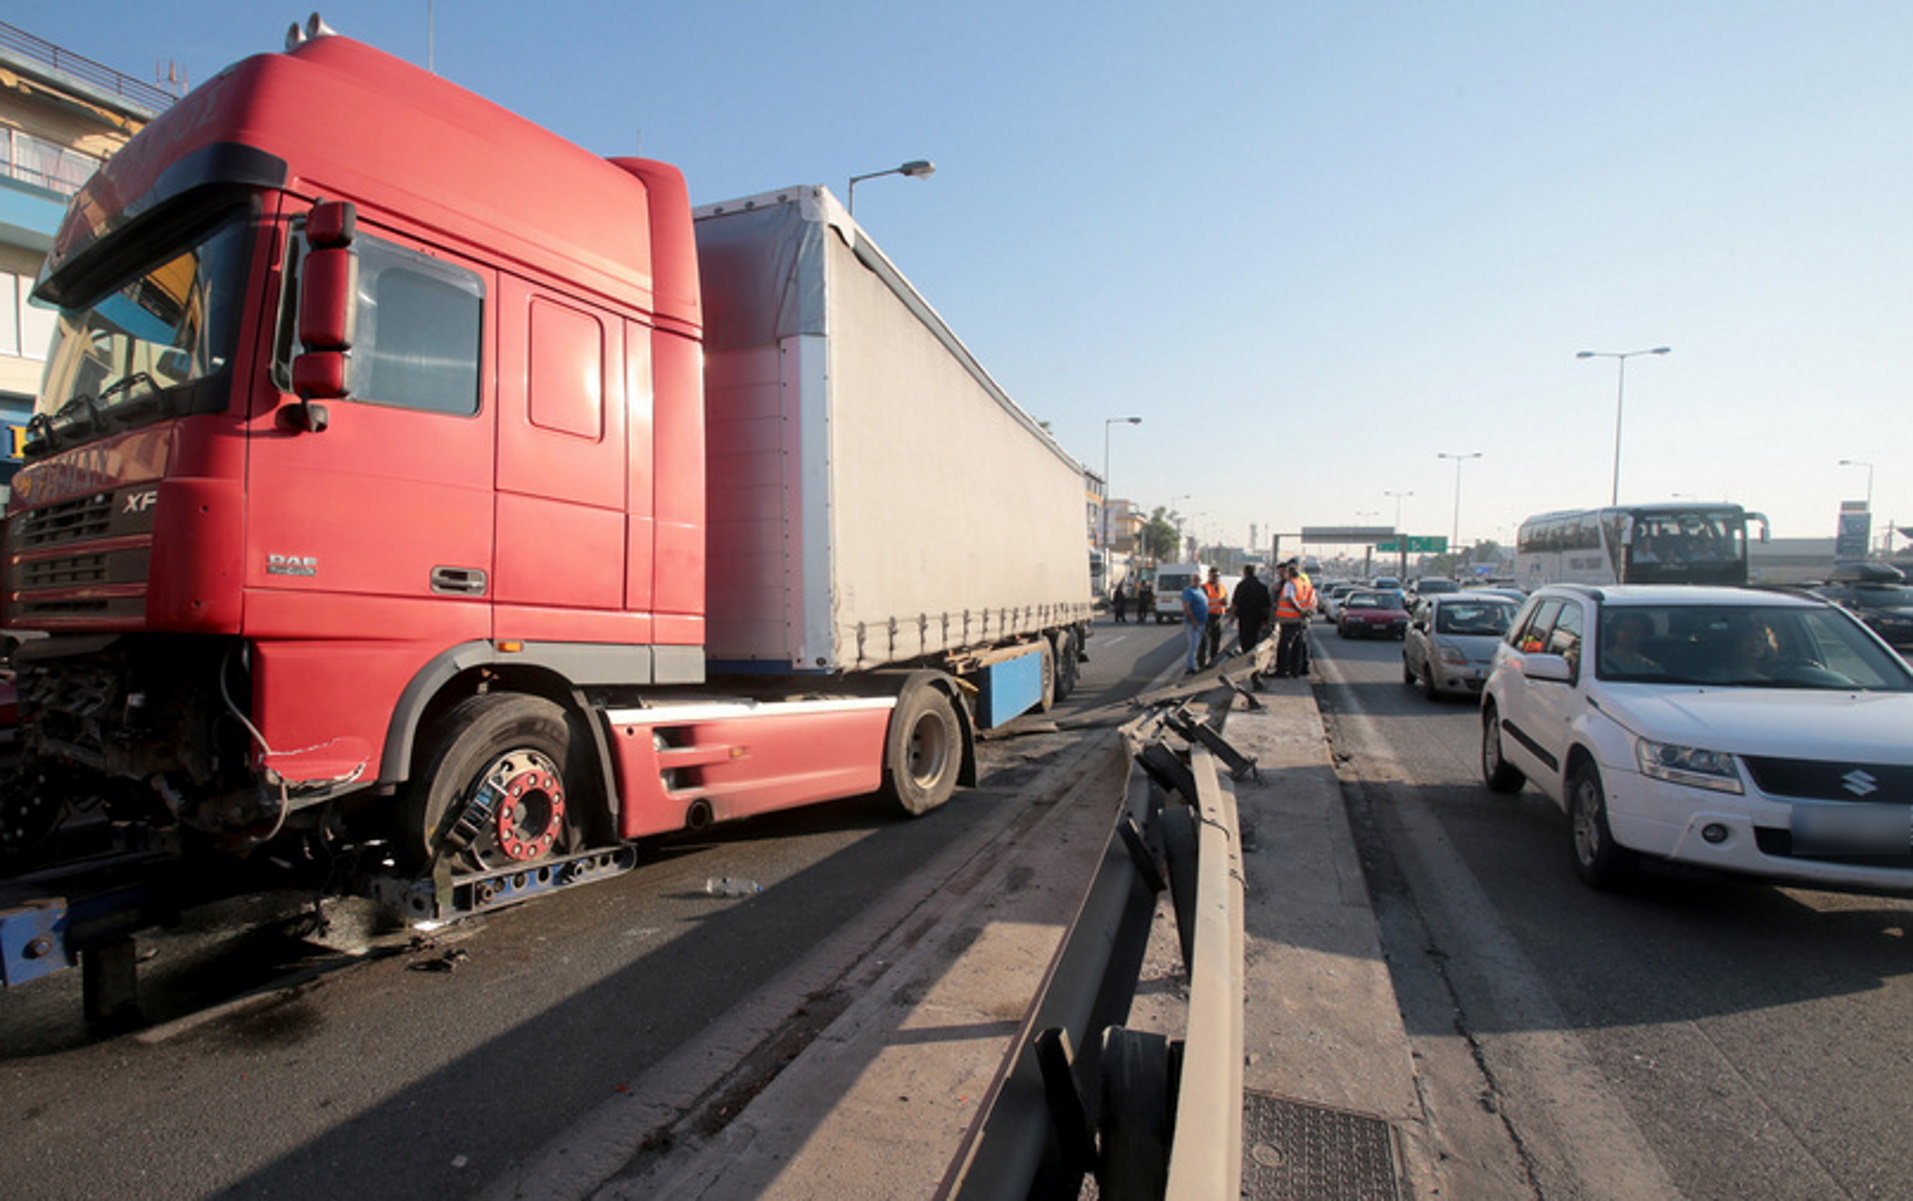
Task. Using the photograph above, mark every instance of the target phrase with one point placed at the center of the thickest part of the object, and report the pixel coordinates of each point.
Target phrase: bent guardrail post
(1240, 765)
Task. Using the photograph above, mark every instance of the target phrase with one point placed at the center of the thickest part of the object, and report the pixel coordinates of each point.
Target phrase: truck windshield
(123, 360)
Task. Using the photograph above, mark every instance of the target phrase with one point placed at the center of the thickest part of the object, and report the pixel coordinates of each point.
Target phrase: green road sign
(1437, 545)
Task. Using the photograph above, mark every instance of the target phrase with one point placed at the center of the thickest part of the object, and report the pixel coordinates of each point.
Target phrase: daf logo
(1859, 783)
(139, 502)
(307, 565)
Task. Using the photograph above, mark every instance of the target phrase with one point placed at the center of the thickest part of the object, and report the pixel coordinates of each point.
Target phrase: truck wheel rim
(929, 748)
(531, 806)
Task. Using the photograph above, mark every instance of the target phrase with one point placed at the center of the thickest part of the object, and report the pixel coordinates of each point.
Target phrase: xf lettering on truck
(141, 502)
(307, 565)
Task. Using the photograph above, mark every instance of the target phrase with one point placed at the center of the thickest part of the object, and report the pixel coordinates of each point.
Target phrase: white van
(1171, 579)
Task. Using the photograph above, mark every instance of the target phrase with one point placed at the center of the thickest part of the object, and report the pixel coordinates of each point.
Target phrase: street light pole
(1869, 467)
(916, 168)
(1177, 514)
(1620, 395)
(1106, 489)
(1454, 537)
(1399, 536)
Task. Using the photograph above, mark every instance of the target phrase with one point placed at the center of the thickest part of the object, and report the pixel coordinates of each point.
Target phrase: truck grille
(64, 573)
(68, 521)
(89, 557)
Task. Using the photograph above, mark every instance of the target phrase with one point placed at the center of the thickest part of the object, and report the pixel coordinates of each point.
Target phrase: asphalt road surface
(428, 1071)
(1690, 1037)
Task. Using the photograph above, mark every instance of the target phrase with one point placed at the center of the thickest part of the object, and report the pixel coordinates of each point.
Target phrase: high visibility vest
(1218, 598)
(1297, 600)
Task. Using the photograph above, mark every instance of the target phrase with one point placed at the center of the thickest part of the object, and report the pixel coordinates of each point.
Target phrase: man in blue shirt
(1195, 621)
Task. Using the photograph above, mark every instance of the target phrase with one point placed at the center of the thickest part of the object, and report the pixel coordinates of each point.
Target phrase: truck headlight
(1690, 765)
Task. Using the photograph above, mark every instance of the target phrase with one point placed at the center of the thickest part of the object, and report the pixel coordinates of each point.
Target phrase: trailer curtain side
(875, 497)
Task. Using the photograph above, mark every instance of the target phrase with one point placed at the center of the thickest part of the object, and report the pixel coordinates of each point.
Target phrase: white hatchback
(1756, 732)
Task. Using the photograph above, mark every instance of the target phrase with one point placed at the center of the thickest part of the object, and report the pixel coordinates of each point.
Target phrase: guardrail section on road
(1149, 1115)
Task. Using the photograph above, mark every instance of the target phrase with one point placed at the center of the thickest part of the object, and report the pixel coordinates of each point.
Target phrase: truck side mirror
(328, 313)
(328, 295)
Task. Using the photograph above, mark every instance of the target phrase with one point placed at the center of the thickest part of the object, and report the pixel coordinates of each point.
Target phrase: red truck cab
(370, 454)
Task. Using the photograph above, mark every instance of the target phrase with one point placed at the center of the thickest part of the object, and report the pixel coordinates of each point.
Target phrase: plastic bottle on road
(725, 886)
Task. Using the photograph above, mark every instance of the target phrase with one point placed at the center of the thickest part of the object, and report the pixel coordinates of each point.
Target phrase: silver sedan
(1450, 645)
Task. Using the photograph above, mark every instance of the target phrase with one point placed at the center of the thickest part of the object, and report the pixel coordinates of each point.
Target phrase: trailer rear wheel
(925, 750)
(1051, 690)
(1068, 651)
(497, 790)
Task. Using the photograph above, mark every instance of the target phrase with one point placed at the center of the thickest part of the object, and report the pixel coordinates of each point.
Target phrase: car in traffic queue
(1878, 595)
(1514, 594)
(1434, 585)
(1372, 613)
(1328, 598)
(1734, 729)
(1450, 644)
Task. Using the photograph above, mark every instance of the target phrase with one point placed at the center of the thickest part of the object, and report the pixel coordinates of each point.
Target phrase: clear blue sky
(1310, 244)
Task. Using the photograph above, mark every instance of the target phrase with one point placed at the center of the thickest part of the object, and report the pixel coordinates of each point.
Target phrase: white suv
(1758, 732)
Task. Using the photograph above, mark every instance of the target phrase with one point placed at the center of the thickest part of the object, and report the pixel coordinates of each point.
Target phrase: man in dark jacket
(1250, 609)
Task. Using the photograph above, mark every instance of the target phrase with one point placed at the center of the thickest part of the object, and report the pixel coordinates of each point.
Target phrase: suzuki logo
(139, 502)
(1859, 783)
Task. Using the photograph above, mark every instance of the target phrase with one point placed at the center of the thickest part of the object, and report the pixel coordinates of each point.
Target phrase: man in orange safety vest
(1218, 595)
(1294, 602)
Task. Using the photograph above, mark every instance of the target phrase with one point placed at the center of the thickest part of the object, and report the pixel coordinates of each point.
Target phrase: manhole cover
(1310, 1153)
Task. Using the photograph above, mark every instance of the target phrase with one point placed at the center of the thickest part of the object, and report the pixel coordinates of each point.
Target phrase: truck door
(375, 531)
(562, 470)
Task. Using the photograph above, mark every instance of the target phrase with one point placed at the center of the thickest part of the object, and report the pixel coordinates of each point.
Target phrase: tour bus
(1672, 543)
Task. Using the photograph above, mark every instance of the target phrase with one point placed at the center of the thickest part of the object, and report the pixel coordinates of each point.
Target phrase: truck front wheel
(925, 750)
(497, 790)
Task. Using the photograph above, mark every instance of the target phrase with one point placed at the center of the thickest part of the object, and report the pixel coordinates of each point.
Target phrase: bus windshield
(1704, 547)
(117, 361)
(1635, 544)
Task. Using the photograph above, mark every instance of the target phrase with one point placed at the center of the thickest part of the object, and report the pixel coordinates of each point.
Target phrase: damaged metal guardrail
(1148, 1115)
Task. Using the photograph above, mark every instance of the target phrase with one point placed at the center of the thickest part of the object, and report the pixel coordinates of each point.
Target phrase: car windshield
(115, 361)
(1745, 646)
(1474, 617)
(1375, 600)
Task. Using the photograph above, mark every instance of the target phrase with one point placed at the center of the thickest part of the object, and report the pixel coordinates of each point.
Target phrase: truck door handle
(458, 581)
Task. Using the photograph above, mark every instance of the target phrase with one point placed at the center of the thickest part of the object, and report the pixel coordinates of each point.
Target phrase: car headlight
(1689, 765)
(1454, 655)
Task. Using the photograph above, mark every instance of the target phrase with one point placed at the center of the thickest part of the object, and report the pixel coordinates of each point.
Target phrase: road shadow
(1672, 945)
